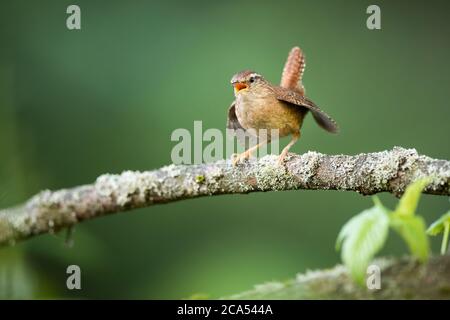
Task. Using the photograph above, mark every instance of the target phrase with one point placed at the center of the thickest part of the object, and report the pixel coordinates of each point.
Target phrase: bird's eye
(252, 79)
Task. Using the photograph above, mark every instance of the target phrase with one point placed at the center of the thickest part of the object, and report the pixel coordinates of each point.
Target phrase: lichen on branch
(403, 278)
(387, 171)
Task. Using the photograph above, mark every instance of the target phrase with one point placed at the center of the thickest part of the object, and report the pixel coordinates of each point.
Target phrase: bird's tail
(293, 71)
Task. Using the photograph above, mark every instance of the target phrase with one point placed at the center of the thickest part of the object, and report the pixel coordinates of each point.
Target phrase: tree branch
(400, 279)
(387, 171)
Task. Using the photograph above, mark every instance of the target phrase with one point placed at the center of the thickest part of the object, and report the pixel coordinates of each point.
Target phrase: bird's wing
(293, 97)
(293, 71)
(233, 124)
(232, 121)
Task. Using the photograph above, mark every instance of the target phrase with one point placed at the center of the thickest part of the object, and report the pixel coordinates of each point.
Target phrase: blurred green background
(76, 104)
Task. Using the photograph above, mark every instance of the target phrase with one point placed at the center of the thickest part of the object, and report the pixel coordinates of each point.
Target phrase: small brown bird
(261, 105)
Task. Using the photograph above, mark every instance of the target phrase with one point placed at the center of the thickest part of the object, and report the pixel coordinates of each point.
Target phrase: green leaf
(361, 238)
(412, 230)
(408, 203)
(441, 225)
(445, 238)
(411, 227)
(17, 281)
(438, 226)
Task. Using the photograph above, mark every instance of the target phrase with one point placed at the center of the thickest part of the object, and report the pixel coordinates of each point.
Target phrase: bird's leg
(235, 158)
(295, 137)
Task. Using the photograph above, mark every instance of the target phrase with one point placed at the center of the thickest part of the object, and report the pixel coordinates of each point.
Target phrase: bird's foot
(236, 158)
(281, 159)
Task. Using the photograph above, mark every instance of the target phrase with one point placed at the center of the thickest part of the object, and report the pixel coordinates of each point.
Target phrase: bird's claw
(280, 162)
(281, 159)
(236, 158)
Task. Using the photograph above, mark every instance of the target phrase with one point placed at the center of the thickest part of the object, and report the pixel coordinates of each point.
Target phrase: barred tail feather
(293, 70)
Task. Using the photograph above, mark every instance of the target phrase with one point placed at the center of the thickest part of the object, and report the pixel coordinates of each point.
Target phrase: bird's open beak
(238, 86)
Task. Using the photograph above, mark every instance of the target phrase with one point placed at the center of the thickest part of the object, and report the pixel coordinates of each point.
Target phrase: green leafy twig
(410, 226)
(361, 238)
(365, 234)
(439, 226)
